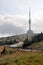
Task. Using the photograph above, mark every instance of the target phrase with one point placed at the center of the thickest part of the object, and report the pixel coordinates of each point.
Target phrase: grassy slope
(22, 58)
(38, 45)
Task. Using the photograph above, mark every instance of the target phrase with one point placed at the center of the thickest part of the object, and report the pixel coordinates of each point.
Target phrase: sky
(14, 16)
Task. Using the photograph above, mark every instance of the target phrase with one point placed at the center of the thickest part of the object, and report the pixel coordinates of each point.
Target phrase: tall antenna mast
(29, 32)
(29, 20)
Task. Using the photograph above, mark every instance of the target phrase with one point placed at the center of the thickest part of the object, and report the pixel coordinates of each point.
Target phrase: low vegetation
(35, 43)
(22, 57)
(15, 56)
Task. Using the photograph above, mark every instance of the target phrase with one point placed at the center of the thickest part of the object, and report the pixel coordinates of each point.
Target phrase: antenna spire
(29, 20)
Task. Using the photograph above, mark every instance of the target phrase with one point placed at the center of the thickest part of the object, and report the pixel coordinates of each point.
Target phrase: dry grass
(1, 48)
(22, 57)
(38, 45)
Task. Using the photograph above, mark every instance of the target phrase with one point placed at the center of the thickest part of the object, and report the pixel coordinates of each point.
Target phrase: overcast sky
(14, 16)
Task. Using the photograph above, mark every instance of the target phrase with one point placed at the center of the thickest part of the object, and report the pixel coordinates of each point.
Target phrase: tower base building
(29, 32)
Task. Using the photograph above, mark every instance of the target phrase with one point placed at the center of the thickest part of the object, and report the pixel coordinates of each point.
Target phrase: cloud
(7, 28)
(37, 25)
(12, 24)
(17, 24)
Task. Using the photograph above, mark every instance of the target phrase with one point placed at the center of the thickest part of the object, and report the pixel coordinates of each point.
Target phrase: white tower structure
(29, 20)
(29, 32)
